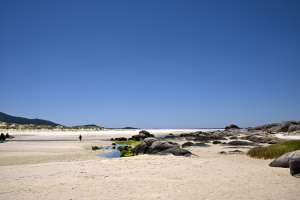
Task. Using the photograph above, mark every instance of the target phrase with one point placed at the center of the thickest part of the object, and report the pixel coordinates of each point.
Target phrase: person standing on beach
(80, 138)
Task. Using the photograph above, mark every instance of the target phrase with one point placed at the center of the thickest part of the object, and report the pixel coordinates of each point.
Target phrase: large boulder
(140, 149)
(187, 144)
(283, 161)
(144, 146)
(295, 167)
(145, 134)
(119, 139)
(150, 140)
(142, 135)
(155, 146)
(158, 146)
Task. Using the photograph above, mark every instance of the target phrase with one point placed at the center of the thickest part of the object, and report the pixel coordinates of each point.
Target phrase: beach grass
(274, 150)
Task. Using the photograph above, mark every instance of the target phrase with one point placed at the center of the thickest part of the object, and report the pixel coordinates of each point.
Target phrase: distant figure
(80, 138)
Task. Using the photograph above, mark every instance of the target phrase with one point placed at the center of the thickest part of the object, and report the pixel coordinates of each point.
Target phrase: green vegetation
(127, 149)
(132, 143)
(274, 150)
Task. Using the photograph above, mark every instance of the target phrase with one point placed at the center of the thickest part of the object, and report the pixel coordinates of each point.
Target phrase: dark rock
(145, 133)
(206, 136)
(158, 146)
(198, 144)
(222, 152)
(233, 138)
(136, 138)
(217, 142)
(140, 149)
(154, 146)
(170, 136)
(119, 139)
(187, 144)
(141, 136)
(295, 167)
(150, 140)
(273, 141)
(94, 148)
(283, 161)
(7, 136)
(240, 143)
(232, 126)
(236, 151)
(193, 134)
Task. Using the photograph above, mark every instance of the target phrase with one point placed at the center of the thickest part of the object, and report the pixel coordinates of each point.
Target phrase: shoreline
(44, 169)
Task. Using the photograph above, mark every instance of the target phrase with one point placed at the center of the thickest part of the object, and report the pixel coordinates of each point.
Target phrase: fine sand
(43, 165)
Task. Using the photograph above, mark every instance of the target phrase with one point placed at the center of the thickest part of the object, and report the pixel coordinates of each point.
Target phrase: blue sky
(158, 64)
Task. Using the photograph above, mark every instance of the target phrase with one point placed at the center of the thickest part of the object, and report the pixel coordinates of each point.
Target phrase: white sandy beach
(54, 165)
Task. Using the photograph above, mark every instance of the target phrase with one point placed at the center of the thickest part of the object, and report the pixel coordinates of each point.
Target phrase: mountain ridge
(25, 121)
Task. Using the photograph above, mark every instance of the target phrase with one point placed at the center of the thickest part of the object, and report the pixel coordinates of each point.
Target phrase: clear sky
(159, 64)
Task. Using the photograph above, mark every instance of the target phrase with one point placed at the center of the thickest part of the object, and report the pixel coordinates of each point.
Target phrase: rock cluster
(141, 136)
(153, 145)
(205, 136)
(289, 160)
(288, 126)
(3, 137)
(262, 138)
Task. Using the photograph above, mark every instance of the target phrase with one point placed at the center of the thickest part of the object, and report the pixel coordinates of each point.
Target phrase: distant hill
(24, 121)
(129, 127)
(88, 126)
